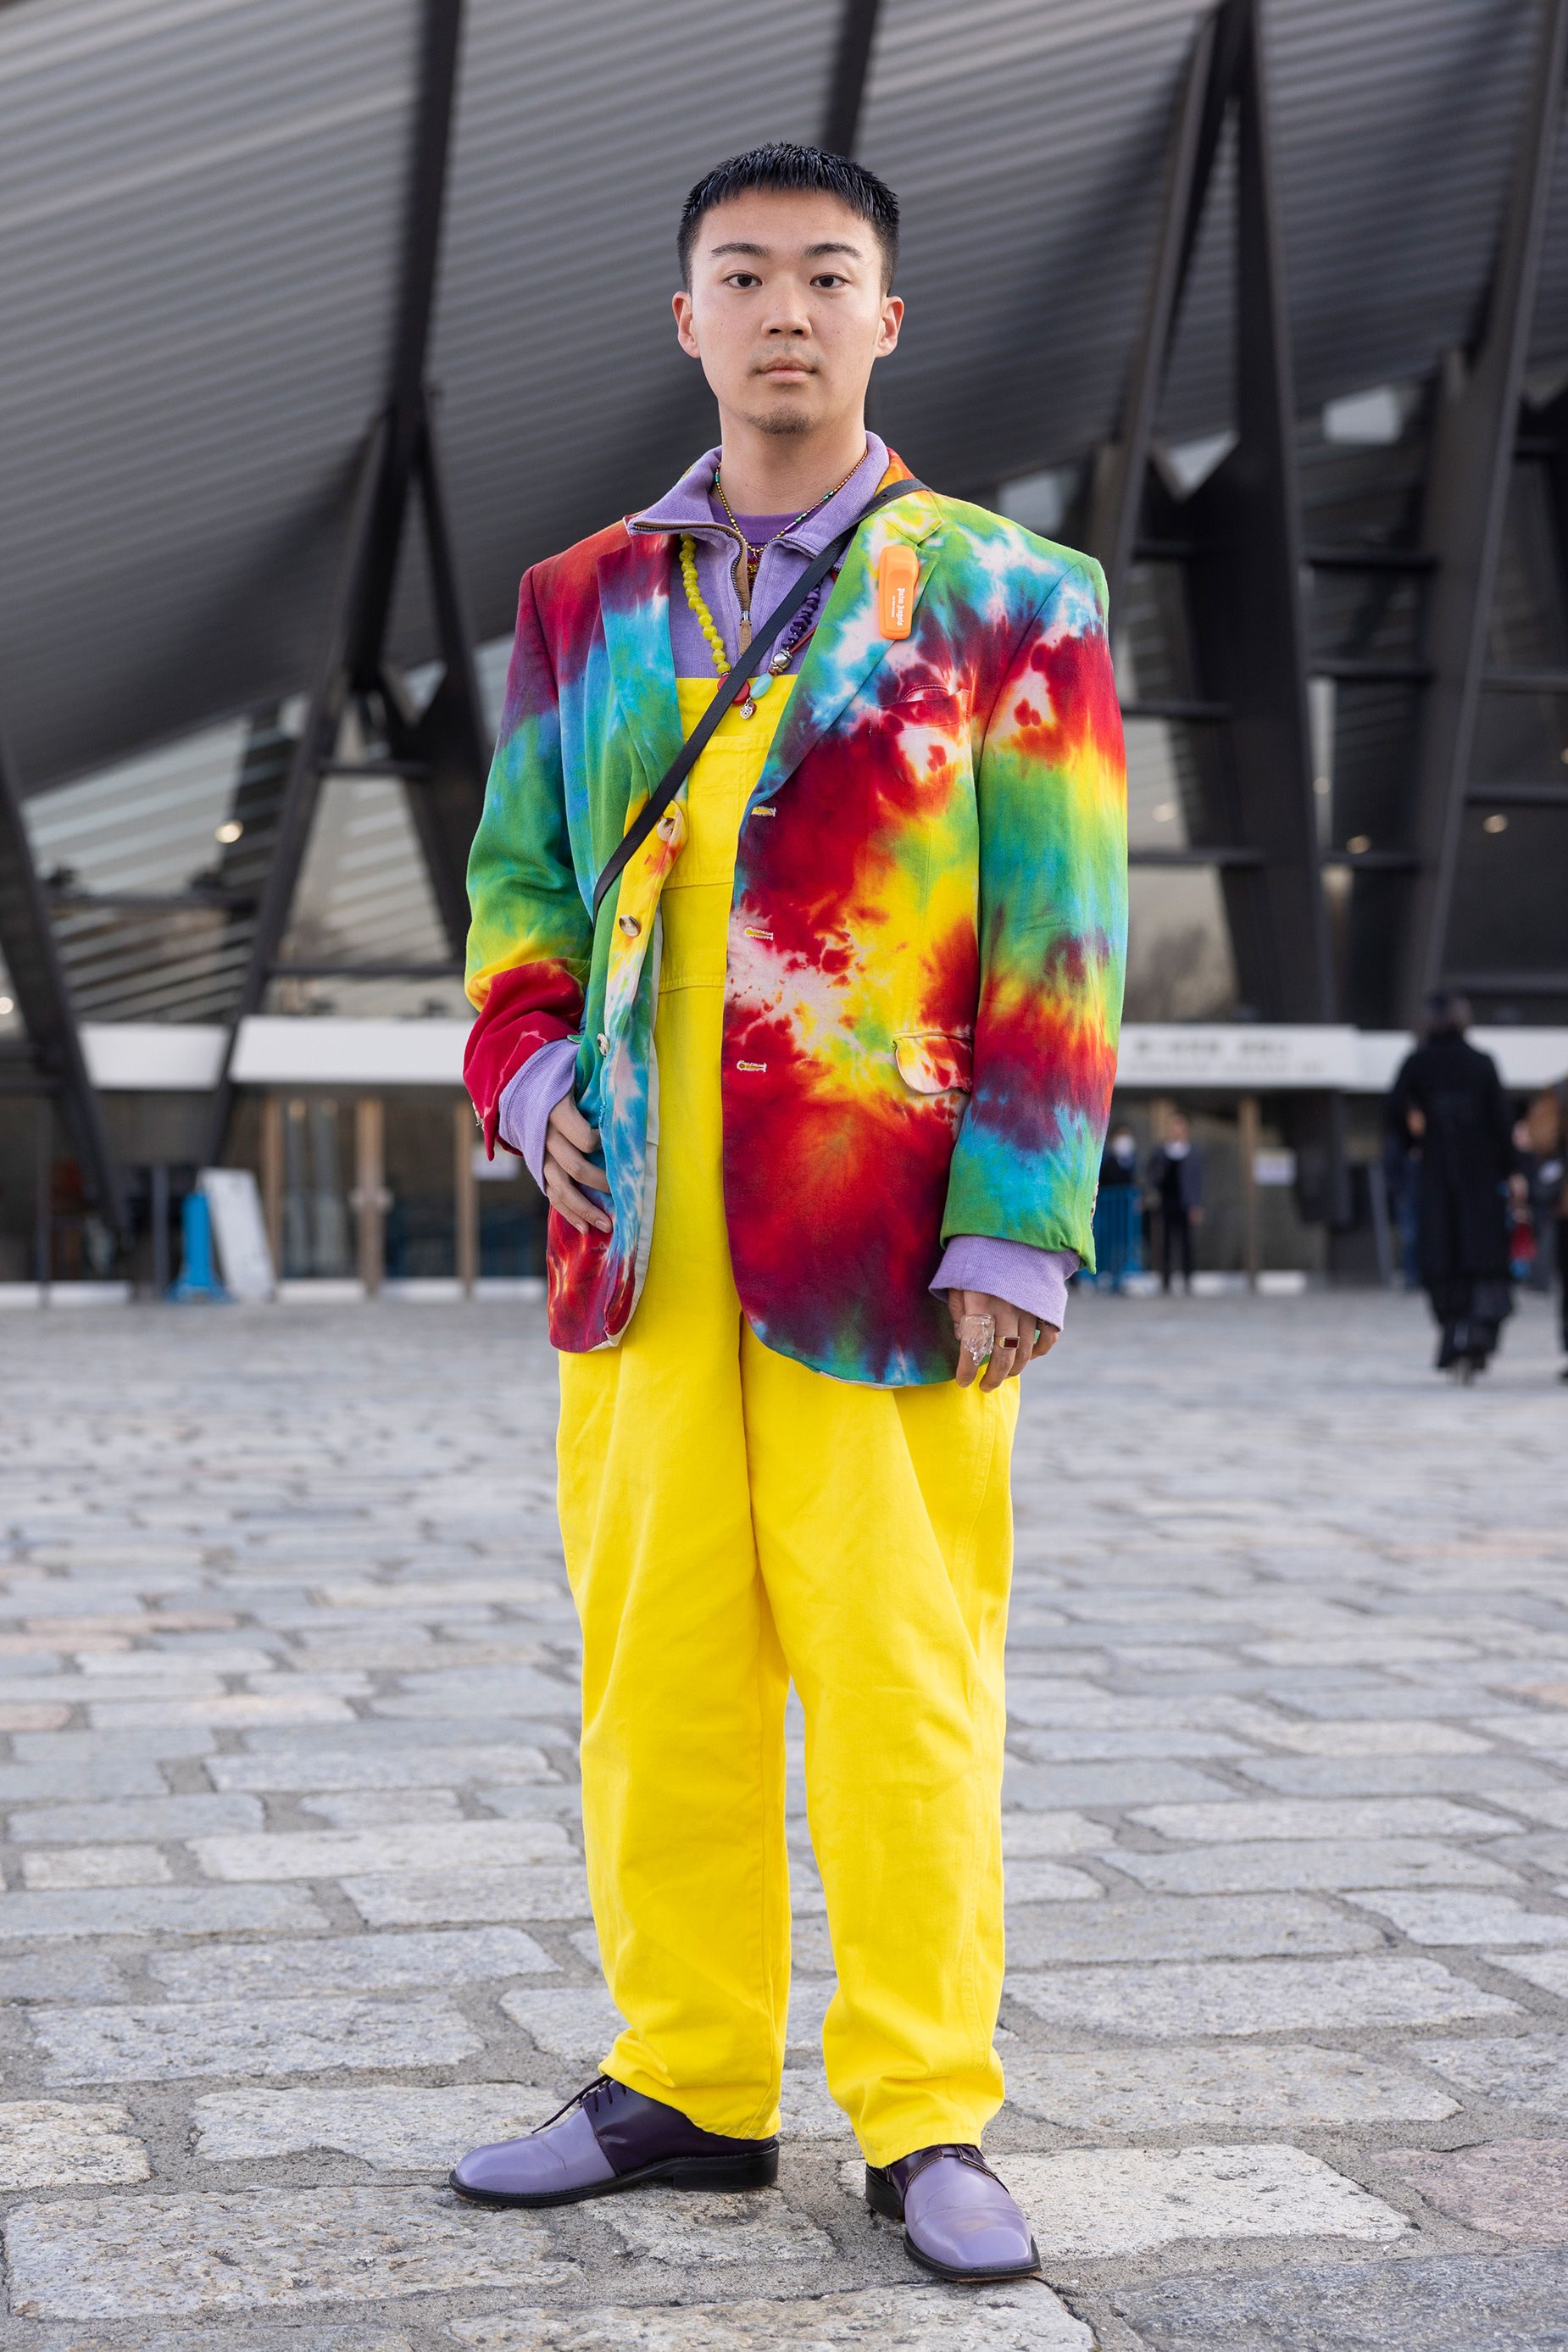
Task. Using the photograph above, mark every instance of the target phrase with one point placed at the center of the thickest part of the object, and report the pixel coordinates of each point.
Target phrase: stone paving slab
(263, 2249)
(1331, 1863)
(1475, 2303)
(410, 1898)
(1255, 1996)
(344, 1854)
(55, 2143)
(415, 1767)
(878, 2319)
(1525, 2069)
(397, 2128)
(159, 1911)
(1510, 2188)
(1089, 2203)
(250, 2037)
(1233, 2088)
(1203, 1926)
(329, 1964)
(1451, 1915)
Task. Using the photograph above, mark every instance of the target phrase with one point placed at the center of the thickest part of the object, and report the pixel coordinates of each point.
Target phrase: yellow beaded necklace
(699, 604)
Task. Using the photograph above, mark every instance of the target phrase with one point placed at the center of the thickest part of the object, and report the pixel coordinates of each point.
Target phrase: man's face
(786, 310)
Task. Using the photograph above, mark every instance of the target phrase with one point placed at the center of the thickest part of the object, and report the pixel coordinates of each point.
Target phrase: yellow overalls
(733, 1520)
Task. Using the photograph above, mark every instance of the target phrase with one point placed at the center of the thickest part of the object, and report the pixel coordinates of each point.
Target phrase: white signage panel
(239, 1231)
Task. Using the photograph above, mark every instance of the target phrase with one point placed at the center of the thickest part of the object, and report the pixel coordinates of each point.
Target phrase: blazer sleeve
(1051, 788)
(530, 936)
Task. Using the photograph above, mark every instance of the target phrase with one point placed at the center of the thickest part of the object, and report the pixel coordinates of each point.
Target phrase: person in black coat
(1175, 1181)
(1448, 1100)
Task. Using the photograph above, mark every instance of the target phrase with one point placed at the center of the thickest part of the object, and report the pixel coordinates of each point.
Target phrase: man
(1546, 1136)
(817, 1105)
(1176, 1193)
(1448, 1100)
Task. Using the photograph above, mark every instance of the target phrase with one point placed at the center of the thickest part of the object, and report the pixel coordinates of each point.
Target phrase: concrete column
(370, 1199)
(1247, 1125)
(466, 1195)
(272, 1178)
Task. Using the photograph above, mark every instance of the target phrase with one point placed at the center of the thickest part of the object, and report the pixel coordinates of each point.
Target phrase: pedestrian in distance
(1546, 1138)
(1448, 1100)
(1118, 1210)
(800, 993)
(1175, 1193)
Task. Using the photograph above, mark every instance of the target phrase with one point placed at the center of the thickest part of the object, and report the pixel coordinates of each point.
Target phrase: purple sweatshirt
(1035, 1280)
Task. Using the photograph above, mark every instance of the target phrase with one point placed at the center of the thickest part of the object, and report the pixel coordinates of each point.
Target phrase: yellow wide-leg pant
(733, 1521)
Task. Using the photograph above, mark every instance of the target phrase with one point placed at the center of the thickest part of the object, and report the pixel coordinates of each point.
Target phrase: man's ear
(685, 334)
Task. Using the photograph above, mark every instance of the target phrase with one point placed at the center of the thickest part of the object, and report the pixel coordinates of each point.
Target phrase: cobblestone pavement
(294, 1911)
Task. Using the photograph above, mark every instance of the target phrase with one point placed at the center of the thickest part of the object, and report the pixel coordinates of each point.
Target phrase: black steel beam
(1231, 855)
(43, 999)
(1121, 465)
(312, 751)
(446, 746)
(424, 204)
(309, 970)
(851, 71)
(1519, 795)
(1525, 681)
(438, 758)
(1245, 607)
(1475, 428)
(1507, 983)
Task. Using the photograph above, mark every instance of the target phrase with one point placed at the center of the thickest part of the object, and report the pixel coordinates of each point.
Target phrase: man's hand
(1017, 1338)
(568, 1138)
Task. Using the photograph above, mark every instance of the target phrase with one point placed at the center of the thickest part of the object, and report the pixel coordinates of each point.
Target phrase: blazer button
(630, 925)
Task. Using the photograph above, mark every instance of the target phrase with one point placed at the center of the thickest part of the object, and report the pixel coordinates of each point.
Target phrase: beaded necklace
(755, 554)
(789, 645)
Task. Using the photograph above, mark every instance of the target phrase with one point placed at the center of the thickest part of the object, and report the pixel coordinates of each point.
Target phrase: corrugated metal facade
(201, 215)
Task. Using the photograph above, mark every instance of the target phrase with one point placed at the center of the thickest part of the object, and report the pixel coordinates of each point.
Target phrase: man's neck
(775, 473)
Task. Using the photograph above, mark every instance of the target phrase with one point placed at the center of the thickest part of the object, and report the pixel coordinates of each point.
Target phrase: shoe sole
(884, 2201)
(759, 2171)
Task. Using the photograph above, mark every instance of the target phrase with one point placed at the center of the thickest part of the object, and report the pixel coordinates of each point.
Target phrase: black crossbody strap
(729, 689)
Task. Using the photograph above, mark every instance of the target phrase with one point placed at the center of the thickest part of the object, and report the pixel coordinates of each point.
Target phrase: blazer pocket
(936, 1062)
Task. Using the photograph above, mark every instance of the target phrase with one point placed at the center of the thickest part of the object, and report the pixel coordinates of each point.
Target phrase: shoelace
(588, 2096)
(964, 2151)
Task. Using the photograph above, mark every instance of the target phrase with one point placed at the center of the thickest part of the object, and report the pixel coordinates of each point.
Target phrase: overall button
(630, 925)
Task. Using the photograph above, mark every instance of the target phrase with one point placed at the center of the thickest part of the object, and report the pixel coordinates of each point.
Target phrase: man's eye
(829, 278)
(743, 277)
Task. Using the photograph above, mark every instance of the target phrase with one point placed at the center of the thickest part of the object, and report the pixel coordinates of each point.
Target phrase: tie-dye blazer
(926, 937)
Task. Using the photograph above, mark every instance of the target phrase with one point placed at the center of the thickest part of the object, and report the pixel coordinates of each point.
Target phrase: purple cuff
(1033, 1279)
(528, 1098)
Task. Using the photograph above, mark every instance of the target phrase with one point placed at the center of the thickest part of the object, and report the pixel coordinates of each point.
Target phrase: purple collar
(686, 508)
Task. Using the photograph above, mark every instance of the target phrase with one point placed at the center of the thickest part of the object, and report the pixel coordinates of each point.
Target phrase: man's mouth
(786, 367)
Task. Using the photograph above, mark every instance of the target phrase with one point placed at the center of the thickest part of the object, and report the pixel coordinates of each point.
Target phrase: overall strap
(732, 686)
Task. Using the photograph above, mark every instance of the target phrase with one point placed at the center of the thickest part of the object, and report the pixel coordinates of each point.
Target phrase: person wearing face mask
(1116, 1216)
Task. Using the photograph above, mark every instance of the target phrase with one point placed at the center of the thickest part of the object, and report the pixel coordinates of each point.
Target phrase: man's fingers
(1009, 1352)
(567, 1121)
(562, 1155)
(574, 1206)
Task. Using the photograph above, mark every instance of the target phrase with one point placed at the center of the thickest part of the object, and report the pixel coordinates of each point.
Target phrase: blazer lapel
(633, 606)
(847, 645)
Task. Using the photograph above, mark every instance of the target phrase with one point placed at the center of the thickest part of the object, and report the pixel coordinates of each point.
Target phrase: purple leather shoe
(608, 2138)
(959, 2221)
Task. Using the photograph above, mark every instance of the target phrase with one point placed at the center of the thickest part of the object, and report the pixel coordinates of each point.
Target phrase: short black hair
(794, 170)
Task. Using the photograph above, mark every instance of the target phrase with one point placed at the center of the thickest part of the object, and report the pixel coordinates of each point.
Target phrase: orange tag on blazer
(896, 573)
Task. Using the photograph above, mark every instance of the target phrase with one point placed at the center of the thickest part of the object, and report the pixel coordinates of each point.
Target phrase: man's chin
(782, 422)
